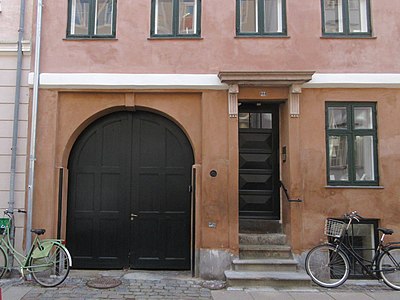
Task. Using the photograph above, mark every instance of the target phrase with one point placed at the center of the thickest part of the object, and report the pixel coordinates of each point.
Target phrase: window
(351, 144)
(91, 18)
(346, 17)
(363, 237)
(175, 18)
(260, 17)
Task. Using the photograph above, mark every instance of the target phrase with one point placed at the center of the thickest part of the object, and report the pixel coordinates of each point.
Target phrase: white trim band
(11, 47)
(201, 81)
(128, 81)
(354, 80)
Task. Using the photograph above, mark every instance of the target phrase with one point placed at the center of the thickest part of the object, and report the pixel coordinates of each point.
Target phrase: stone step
(264, 251)
(267, 279)
(259, 226)
(262, 239)
(271, 264)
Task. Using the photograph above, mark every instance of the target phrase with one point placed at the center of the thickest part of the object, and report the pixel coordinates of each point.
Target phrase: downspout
(35, 99)
(11, 200)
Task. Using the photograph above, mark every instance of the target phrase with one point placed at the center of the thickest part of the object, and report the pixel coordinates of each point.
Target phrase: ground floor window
(351, 138)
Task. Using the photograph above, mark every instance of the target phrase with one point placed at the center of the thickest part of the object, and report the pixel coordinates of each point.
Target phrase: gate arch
(128, 196)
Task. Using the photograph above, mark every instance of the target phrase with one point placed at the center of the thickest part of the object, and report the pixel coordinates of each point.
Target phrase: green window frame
(346, 18)
(252, 19)
(175, 18)
(351, 144)
(91, 19)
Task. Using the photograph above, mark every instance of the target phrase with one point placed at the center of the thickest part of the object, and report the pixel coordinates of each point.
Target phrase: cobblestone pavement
(135, 285)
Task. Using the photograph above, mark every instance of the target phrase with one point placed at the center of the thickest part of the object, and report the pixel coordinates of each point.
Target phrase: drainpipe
(11, 200)
(35, 99)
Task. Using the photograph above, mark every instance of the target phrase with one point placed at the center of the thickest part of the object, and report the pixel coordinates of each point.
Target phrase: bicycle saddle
(38, 231)
(386, 231)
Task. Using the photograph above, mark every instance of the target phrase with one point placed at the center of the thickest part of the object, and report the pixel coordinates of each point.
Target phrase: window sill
(175, 38)
(374, 187)
(262, 36)
(346, 37)
(89, 39)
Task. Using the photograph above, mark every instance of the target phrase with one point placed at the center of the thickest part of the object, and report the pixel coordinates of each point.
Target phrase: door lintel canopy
(268, 78)
(292, 79)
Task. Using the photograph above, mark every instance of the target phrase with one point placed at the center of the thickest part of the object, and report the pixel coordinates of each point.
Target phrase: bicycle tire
(3, 262)
(327, 266)
(389, 264)
(53, 269)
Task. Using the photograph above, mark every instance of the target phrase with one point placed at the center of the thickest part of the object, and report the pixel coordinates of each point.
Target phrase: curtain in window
(333, 16)
(273, 16)
(249, 16)
(164, 16)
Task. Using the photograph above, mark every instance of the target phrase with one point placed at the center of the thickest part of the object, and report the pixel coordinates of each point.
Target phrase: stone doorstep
(262, 239)
(269, 264)
(270, 279)
(264, 251)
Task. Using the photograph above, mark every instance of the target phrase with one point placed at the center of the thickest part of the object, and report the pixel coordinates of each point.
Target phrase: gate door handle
(133, 216)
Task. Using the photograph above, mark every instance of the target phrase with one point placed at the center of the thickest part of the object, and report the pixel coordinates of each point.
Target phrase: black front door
(259, 161)
(129, 200)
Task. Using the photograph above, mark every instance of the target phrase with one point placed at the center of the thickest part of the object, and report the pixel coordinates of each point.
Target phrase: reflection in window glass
(80, 17)
(164, 14)
(104, 17)
(255, 120)
(337, 117)
(364, 158)
(338, 162)
(333, 16)
(187, 16)
(363, 118)
(358, 16)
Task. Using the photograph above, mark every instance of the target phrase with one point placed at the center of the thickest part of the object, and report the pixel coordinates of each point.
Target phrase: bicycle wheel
(3, 262)
(389, 264)
(51, 270)
(327, 266)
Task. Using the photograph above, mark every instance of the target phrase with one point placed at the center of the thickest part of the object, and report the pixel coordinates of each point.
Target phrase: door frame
(274, 108)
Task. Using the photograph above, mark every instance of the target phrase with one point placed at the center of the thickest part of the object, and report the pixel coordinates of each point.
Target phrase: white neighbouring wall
(9, 25)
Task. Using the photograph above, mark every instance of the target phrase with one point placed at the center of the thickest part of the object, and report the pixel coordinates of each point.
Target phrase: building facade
(166, 128)
(10, 12)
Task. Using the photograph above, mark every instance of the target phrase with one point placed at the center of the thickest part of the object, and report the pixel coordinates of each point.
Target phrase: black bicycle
(329, 266)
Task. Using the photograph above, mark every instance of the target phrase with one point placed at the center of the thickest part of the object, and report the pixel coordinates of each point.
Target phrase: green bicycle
(48, 260)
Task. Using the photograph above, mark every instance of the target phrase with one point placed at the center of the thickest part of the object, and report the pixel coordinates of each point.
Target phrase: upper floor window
(260, 17)
(175, 18)
(346, 17)
(351, 143)
(91, 18)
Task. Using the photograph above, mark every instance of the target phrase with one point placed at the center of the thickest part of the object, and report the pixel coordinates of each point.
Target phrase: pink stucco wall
(218, 49)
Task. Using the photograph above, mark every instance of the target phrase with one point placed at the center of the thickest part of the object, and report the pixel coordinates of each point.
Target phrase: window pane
(104, 17)
(248, 16)
(363, 118)
(80, 17)
(338, 163)
(273, 16)
(163, 16)
(187, 16)
(337, 117)
(358, 16)
(244, 120)
(255, 120)
(333, 16)
(364, 158)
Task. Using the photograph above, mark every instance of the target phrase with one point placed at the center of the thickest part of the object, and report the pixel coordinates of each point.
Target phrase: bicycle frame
(371, 267)
(39, 248)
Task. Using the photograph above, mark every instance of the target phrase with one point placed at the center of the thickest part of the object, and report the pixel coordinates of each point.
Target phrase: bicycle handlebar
(353, 216)
(8, 212)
